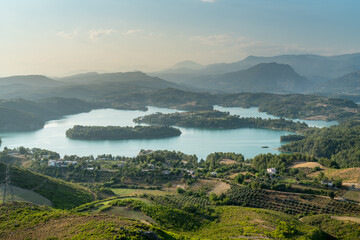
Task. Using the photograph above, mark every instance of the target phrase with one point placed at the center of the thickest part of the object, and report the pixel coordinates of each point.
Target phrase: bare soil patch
(341, 218)
(307, 165)
(227, 161)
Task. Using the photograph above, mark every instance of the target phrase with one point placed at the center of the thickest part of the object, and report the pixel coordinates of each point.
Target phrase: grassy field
(134, 192)
(348, 175)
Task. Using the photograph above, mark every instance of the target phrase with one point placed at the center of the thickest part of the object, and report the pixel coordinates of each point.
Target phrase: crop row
(269, 200)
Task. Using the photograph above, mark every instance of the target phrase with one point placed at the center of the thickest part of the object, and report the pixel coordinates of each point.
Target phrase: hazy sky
(59, 37)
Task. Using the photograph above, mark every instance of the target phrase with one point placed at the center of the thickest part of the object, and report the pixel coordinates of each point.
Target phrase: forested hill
(219, 120)
(21, 114)
(338, 143)
(121, 133)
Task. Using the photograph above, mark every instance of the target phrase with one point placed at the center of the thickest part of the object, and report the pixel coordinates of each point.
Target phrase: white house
(271, 171)
(327, 183)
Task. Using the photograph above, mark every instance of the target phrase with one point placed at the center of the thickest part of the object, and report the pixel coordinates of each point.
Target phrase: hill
(186, 65)
(339, 229)
(26, 86)
(21, 114)
(339, 143)
(63, 195)
(136, 78)
(24, 221)
(27, 221)
(345, 85)
(264, 77)
(87, 86)
(29, 80)
(13, 120)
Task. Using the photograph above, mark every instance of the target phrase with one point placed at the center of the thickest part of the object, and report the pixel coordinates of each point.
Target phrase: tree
(180, 190)
(337, 183)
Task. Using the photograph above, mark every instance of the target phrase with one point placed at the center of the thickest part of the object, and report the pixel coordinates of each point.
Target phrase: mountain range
(315, 68)
(312, 74)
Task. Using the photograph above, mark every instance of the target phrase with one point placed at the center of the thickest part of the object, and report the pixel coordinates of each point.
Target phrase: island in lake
(121, 133)
(219, 120)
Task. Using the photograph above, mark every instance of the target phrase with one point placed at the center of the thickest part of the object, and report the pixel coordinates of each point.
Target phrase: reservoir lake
(201, 142)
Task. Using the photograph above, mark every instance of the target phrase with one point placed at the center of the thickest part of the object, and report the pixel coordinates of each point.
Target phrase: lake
(248, 141)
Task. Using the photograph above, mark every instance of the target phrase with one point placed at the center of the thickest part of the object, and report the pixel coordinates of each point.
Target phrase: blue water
(248, 141)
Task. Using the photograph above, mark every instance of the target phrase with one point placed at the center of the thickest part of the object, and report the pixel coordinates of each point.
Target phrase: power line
(7, 185)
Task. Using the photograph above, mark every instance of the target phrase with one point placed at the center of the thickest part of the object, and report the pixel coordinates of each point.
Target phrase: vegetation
(340, 143)
(120, 133)
(339, 229)
(22, 115)
(263, 161)
(219, 120)
(247, 223)
(25, 221)
(63, 195)
(291, 137)
(288, 202)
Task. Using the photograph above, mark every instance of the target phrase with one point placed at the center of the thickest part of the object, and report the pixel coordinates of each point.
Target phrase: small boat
(264, 146)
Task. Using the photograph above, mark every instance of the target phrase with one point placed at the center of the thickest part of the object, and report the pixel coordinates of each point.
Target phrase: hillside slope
(345, 85)
(63, 195)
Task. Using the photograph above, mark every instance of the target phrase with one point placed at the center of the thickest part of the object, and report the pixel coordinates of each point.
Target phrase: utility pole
(7, 185)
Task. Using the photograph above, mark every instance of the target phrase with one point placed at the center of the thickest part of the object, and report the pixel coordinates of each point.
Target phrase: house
(271, 171)
(327, 183)
(151, 165)
(53, 163)
(166, 172)
(191, 172)
(214, 174)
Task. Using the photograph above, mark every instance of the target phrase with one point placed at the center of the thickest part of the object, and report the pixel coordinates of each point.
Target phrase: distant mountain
(187, 65)
(264, 77)
(127, 77)
(87, 86)
(314, 67)
(29, 80)
(345, 85)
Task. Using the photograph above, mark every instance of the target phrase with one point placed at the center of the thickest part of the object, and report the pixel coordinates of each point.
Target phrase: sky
(64, 37)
